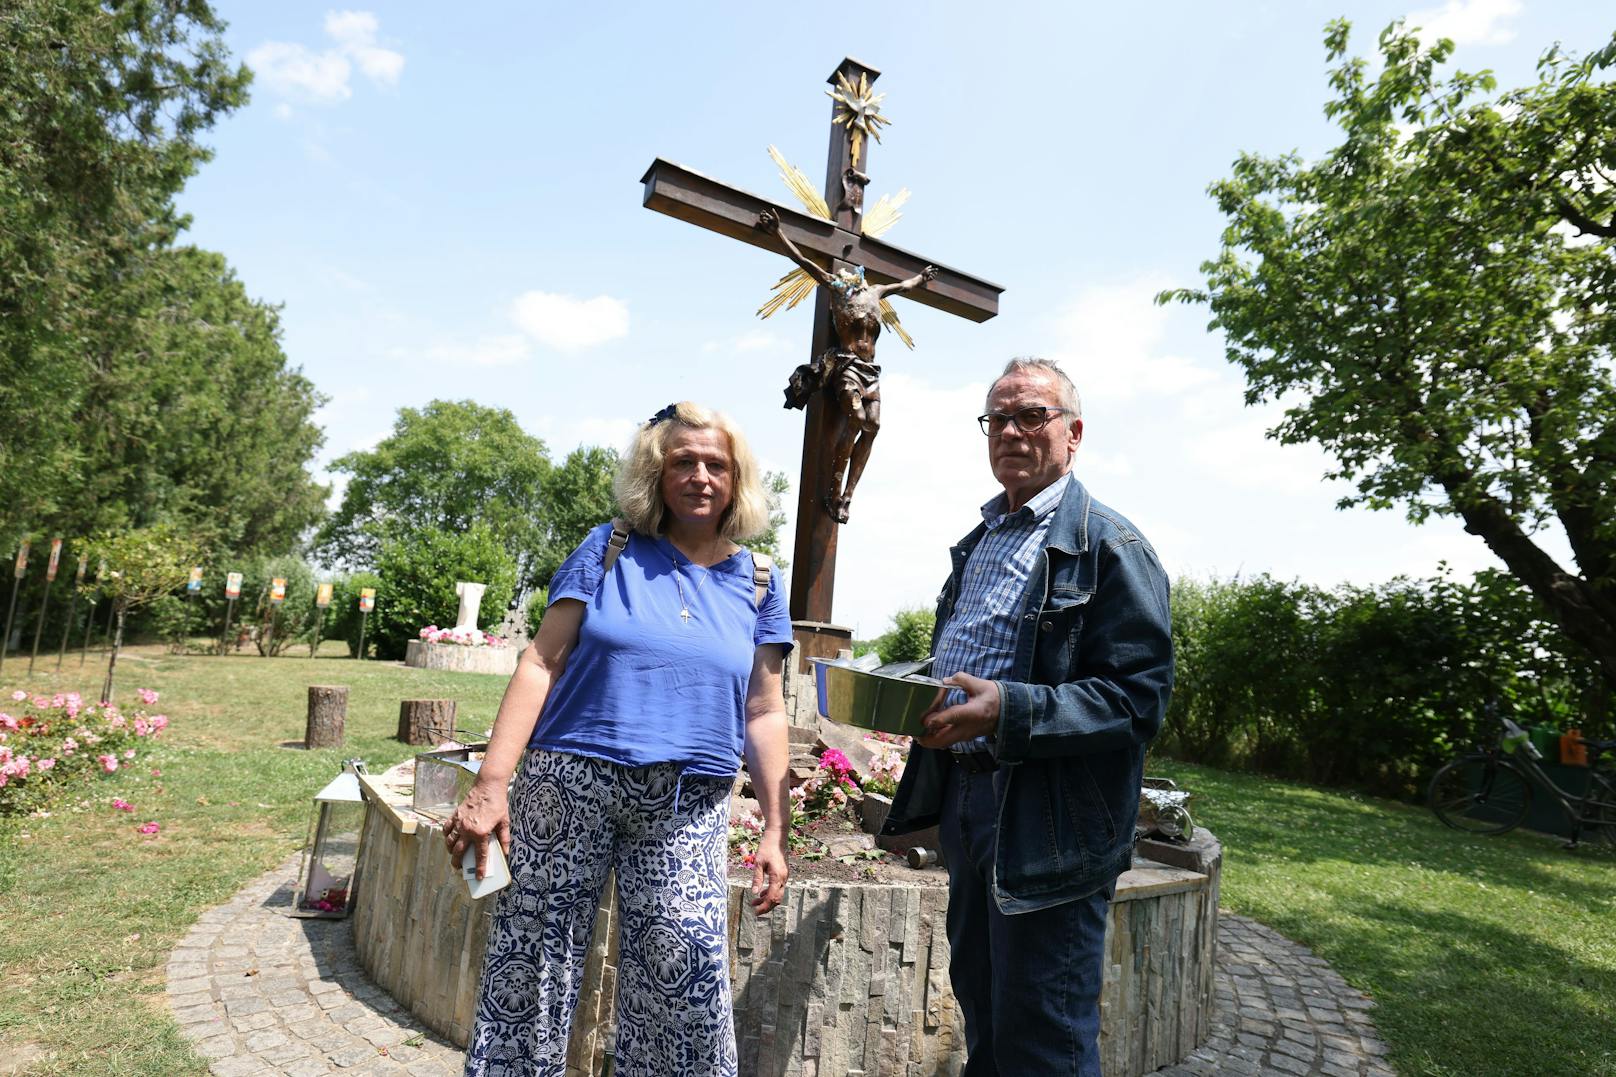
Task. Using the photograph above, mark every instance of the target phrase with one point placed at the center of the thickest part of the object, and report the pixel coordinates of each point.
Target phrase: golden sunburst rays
(797, 182)
(889, 318)
(859, 111)
(884, 214)
(789, 290)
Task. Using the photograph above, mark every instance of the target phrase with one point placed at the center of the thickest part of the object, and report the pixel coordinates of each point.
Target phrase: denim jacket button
(1047, 625)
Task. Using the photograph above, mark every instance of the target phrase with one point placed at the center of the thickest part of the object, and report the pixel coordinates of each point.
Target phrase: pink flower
(5, 755)
(7, 722)
(156, 773)
(142, 727)
(41, 702)
(159, 722)
(19, 695)
(148, 828)
(69, 746)
(109, 763)
(130, 754)
(46, 764)
(117, 721)
(147, 696)
(121, 804)
(21, 765)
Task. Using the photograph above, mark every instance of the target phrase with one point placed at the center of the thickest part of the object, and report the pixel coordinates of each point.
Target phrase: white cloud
(563, 434)
(299, 72)
(500, 350)
(568, 324)
(1109, 341)
(758, 340)
(1241, 456)
(322, 77)
(1467, 22)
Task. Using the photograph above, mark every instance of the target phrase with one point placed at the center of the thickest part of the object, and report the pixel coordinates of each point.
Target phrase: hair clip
(669, 412)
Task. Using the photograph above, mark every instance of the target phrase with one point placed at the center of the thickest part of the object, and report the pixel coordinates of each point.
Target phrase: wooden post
(328, 710)
(426, 721)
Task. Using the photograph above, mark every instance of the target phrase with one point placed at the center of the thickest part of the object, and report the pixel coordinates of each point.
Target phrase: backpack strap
(762, 568)
(614, 546)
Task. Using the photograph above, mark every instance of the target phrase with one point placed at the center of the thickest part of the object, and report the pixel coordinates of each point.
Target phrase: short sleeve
(580, 574)
(774, 619)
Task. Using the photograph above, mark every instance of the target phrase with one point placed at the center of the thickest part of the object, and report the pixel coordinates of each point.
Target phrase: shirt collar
(1042, 503)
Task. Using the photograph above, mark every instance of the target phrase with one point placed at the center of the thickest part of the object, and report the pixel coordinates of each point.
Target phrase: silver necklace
(684, 604)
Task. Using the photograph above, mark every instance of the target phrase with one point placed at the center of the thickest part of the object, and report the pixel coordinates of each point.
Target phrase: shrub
(344, 618)
(418, 575)
(47, 742)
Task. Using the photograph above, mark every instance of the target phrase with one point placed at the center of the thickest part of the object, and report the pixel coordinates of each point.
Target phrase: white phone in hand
(497, 876)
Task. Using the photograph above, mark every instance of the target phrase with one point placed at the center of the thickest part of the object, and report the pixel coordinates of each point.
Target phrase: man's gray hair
(1049, 369)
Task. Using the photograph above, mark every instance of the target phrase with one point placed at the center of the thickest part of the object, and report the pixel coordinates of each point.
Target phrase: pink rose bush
(46, 743)
(470, 637)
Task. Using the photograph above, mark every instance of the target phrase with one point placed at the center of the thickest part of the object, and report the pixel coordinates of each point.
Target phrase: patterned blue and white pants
(572, 820)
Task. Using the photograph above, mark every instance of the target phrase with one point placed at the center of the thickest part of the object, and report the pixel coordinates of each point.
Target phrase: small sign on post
(322, 602)
(20, 571)
(194, 584)
(44, 599)
(367, 602)
(72, 604)
(232, 591)
(277, 590)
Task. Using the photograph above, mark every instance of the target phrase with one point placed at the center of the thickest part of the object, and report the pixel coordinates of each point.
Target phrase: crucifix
(855, 272)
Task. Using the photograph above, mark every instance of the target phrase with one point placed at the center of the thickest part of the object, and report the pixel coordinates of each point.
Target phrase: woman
(652, 672)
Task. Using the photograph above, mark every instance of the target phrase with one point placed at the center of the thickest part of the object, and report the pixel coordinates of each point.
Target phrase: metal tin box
(444, 777)
(871, 700)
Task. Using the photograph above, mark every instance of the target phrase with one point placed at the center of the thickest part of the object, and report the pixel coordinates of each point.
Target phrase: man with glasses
(1054, 631)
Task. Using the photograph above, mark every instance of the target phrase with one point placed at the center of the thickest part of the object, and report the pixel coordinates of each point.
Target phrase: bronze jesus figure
(847, 371)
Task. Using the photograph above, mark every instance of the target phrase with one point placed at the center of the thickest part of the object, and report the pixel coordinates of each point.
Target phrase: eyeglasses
(1027, 420)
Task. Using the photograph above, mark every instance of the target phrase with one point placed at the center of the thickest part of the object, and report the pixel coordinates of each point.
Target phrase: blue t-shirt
(642, 685)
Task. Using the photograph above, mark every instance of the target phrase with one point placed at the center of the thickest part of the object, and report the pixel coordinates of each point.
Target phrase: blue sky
(446, 201)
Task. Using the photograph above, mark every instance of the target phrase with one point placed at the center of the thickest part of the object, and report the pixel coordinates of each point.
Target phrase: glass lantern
(331, 856)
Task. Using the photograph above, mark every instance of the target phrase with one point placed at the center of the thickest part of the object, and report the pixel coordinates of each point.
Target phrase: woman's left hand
(769, 873)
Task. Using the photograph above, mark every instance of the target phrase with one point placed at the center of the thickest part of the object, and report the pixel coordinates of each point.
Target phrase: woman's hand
(485, 812)
(769, 872)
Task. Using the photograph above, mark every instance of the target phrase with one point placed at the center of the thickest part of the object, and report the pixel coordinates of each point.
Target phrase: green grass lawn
(1493, 956)
(89, 908)
(1486, 956)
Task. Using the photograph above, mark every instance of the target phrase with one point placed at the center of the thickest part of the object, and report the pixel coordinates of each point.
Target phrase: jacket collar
(1071, 518)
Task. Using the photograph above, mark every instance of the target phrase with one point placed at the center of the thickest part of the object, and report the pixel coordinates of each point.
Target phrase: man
(1054, 629)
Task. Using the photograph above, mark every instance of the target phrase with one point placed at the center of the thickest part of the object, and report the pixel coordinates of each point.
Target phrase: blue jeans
(1029, 984)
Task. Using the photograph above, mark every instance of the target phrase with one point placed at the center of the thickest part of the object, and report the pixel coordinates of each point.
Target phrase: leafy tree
(418, 574)
(776, 486)
(577, 497)
(104, 105)
(142, 566)
(194, 415)
(909, 638)
(1433, 300)
(444, 468)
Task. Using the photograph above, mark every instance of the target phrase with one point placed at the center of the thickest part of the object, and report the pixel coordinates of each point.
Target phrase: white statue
(471, 597)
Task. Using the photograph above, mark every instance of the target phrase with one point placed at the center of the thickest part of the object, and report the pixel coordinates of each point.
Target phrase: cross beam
(836, 244)
(701, 200)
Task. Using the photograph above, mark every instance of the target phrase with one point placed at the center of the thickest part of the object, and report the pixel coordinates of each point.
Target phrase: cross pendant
(684, 615)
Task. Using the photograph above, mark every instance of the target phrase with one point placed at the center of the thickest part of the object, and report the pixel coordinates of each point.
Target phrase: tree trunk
(328, 710)
(112, 661)
(426, 721)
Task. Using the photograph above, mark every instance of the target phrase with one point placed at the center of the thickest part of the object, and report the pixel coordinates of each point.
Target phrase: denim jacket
(1092, 673)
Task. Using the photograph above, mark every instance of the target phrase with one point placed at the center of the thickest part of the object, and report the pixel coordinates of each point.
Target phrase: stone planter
(460, 658)
(843, 979)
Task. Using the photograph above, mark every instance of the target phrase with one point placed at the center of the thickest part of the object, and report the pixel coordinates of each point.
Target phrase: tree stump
(426, 721)
(328, 710)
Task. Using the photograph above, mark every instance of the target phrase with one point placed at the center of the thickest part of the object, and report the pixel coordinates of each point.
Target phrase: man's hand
(769, 872)
(978, 716)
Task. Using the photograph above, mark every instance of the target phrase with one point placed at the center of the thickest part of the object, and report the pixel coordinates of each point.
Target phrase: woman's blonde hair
(639, 477)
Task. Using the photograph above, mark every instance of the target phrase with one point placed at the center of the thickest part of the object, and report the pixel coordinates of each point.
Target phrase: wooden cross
(836, 244)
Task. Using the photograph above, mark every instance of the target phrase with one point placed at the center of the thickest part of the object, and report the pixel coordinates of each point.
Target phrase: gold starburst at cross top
(859, 111)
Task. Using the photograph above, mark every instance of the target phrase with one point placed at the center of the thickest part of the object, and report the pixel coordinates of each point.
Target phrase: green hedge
(1369, 687)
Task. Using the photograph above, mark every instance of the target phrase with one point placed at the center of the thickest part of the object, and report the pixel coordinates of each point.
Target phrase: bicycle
(1490, 792)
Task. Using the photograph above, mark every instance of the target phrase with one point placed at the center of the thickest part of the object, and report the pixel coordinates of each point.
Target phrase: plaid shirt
(980, 637)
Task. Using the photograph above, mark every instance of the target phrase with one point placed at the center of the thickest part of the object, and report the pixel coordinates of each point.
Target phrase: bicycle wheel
(1480, 795)
(1602, 789)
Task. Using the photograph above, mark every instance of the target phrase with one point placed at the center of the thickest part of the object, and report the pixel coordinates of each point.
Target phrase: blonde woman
(656, 669)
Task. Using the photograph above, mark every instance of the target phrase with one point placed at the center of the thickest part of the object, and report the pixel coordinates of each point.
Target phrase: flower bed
(465, 637)
(48, 742)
